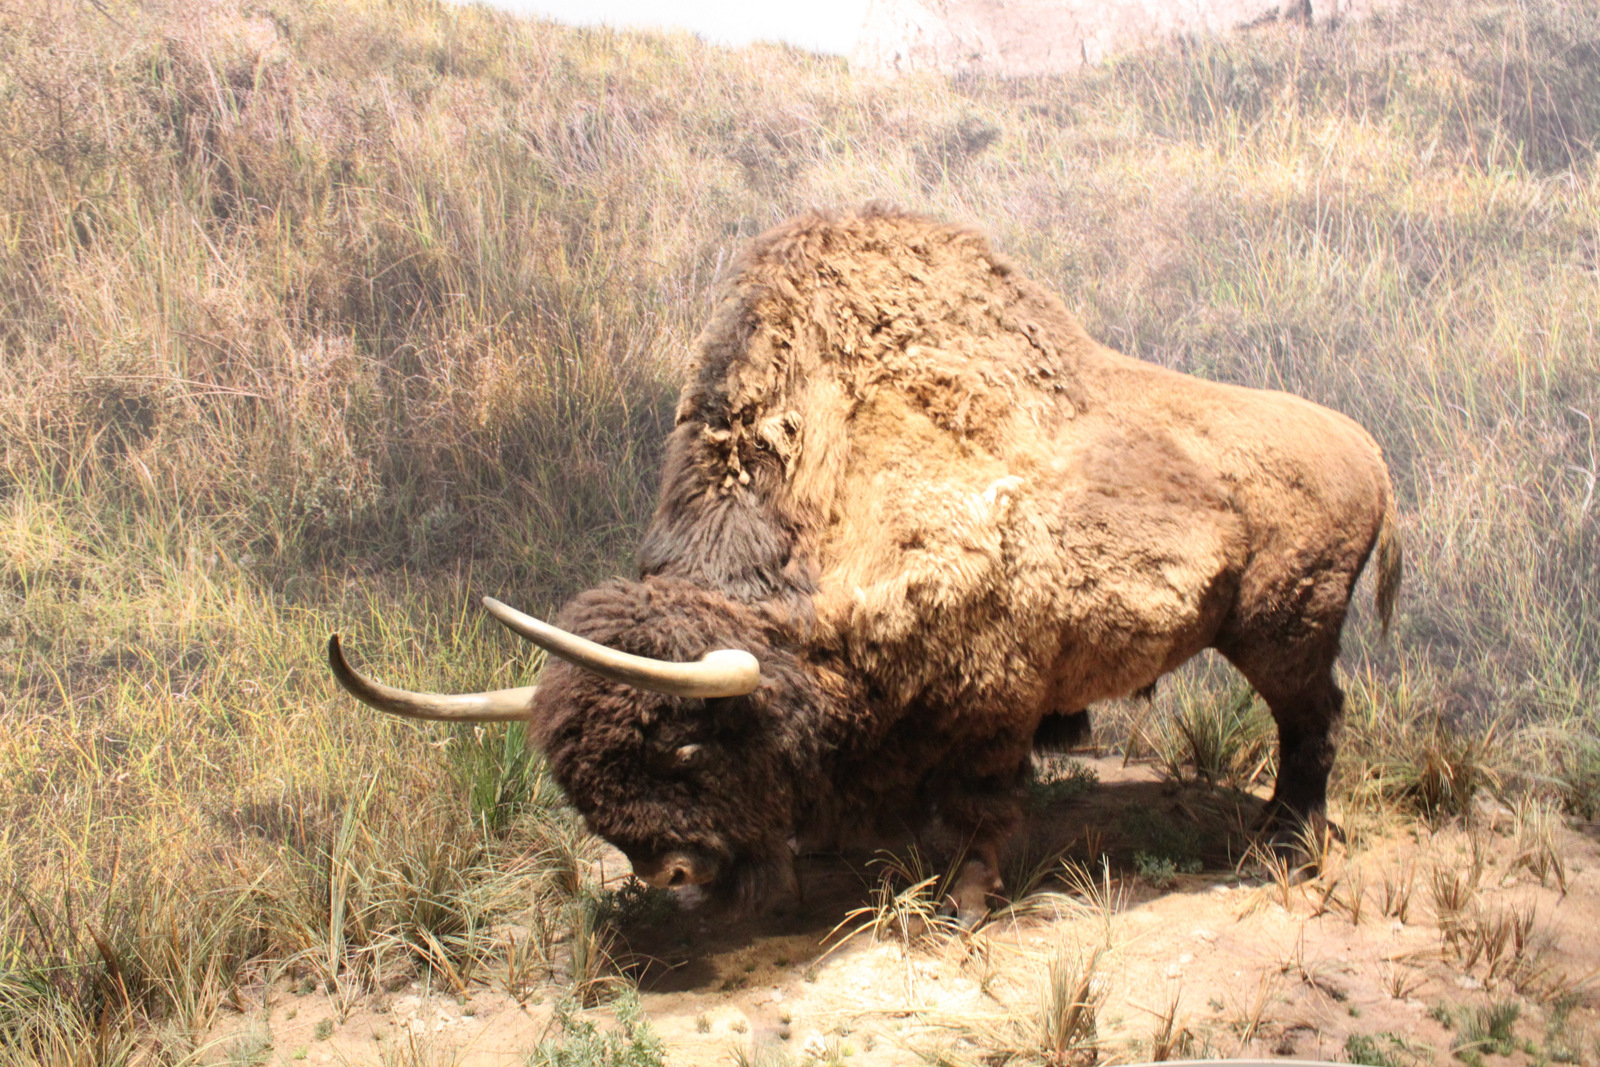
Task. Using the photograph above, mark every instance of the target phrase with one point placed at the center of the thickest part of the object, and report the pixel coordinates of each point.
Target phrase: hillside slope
(330, 315)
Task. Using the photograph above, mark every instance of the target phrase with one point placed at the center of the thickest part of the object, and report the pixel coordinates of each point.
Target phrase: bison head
(676, 719)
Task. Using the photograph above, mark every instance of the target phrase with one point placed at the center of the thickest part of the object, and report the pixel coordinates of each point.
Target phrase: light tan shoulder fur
(1001, 512)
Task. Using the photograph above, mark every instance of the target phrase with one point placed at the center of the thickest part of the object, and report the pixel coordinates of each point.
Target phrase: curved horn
(725, 672)
(499, 705)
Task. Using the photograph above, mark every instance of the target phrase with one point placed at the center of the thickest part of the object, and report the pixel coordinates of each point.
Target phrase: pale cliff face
(1029, 37)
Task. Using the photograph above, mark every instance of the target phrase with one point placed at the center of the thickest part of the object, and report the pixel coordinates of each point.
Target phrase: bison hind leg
(1296, 818)
(1062, 732)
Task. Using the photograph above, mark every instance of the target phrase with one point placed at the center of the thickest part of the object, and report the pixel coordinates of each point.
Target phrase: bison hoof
(1298, 848)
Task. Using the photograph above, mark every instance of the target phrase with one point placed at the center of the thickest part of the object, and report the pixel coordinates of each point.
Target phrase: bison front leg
(978, 806)
(976, 882)
(983, 824)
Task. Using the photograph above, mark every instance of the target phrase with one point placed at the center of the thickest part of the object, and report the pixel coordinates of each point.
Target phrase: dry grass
(1398, 885)
(333, 318)
(1062, 1030)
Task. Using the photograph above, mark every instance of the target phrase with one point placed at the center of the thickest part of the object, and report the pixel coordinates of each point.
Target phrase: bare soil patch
(1397, 951)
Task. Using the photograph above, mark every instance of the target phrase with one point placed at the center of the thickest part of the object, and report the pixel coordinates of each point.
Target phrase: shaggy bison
(911, 515)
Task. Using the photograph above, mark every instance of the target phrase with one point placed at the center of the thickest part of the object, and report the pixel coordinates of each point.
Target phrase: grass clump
(500, 772)
(1226, 739)
(1062, 1031)
(910, 904)
(1068, 1025)
(1410, 755)
(1487, 1029)
(1578, 777)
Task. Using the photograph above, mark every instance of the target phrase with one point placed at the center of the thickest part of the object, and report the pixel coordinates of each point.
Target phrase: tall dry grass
(334, 314)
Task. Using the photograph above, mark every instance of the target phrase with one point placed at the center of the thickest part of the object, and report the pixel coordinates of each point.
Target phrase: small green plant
(579, 1042)
(1368, 1049)
(1559, 1043)
(1161, 872)
(1060, 781)
(323, 1030)
(1179, 841)
(633, 903)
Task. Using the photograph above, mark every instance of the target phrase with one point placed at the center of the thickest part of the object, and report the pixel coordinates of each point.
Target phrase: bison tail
(1391, 567)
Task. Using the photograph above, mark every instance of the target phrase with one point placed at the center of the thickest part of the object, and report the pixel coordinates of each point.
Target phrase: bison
(911, 516)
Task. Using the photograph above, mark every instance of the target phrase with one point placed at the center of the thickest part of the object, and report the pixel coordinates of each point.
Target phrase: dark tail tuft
(1391, 567)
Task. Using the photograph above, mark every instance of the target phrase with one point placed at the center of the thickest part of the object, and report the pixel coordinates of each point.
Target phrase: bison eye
(673, 762)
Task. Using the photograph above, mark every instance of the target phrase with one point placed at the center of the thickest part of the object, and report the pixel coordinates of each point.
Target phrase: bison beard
(944, 521)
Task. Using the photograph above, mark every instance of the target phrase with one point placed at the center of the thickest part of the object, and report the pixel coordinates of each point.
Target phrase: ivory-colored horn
(499, 705)
(725, 672)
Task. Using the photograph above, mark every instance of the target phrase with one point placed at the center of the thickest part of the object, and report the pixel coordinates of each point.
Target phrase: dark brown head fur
(723, 778)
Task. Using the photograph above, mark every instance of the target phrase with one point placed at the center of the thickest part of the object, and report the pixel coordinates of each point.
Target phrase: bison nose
(674, 871)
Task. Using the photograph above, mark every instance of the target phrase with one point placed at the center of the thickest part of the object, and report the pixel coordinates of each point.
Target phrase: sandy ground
(1240, 963)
